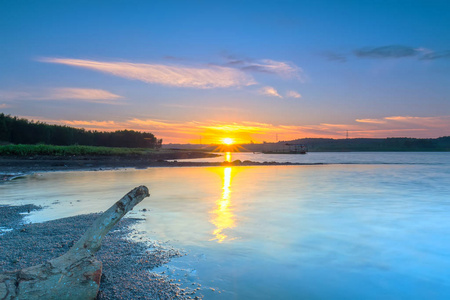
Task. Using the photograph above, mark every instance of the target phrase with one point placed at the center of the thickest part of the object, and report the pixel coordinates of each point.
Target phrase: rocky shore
(127, 264)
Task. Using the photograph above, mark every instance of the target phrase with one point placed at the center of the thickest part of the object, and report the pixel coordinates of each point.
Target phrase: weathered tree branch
(76, 274)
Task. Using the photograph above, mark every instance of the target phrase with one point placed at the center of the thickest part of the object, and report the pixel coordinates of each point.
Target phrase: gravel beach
(127, 264)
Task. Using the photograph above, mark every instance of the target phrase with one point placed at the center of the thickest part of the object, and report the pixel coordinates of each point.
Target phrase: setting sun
(228, 141)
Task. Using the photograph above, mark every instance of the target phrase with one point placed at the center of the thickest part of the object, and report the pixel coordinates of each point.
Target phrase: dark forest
(22, 131)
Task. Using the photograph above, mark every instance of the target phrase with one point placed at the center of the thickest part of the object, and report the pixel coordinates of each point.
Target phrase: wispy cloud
(213, 131)
(371, 121)
(269, 66)
(428, 126)
(429, 122)
(389, 52)
(273, 67)
(151, 123)
(80, 94)
(436, 55)
(170, 75)
(92, 124)
(293, 94)
(400, 51)
(4, 105)
(269, 91)
(392, 51)
(333, 56)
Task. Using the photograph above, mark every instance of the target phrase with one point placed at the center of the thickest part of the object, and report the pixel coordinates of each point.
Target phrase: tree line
(339, 145)
(22, 131)
(360, 144)
(377, 144)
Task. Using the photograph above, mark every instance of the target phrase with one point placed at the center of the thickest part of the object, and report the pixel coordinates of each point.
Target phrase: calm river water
(363, 226)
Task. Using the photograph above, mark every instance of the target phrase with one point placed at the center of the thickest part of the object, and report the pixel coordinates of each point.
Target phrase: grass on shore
(30, 150)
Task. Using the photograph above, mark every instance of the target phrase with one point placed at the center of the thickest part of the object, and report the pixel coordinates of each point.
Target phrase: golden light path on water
(228, 156)
(223, 217)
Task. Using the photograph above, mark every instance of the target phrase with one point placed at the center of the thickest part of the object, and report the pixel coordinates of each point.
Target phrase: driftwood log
(75, 274)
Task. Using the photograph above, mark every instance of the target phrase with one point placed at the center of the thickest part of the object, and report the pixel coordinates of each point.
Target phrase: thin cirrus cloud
(268, 66)
(334, 56)
(92, 124)
(293, 94)
(427, 125)
(81, 94)
(400, 51)
(273, 67)
(169, 75)
(429, 122)
(389, 52)
(392, 51)
(269, 91)
(372, 121)
(436, 55)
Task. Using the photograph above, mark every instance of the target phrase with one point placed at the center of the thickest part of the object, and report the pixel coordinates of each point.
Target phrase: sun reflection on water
(228, 156)
(224, 217)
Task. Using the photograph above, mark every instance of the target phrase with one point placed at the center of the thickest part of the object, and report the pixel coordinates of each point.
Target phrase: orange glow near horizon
(245, 132)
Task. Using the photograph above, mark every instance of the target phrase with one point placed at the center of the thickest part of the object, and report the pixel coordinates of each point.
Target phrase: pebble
(126, 263)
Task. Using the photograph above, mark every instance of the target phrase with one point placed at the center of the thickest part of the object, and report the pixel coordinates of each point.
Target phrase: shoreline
(11, 167)
(127, 264)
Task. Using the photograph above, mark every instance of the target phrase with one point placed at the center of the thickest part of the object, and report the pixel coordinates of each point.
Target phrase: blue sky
(250, 70)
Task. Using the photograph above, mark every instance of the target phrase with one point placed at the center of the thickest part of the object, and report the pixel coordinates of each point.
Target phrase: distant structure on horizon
(341, 145)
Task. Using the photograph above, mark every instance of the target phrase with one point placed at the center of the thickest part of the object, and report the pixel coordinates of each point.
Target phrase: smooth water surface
(335, 157)
(356, 231)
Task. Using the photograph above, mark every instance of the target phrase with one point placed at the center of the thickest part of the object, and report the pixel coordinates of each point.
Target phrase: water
(372, 226)
(336, 157)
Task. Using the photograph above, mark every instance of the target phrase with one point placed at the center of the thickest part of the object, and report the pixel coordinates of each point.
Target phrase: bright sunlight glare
(228, 141)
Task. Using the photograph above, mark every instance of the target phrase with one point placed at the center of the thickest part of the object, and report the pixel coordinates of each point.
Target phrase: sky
(255, 71)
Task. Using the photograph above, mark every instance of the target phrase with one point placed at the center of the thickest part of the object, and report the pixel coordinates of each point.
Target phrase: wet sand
(126, 263)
